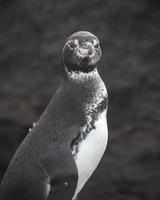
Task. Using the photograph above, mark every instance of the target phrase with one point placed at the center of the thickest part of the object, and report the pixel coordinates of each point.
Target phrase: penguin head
(81, 52)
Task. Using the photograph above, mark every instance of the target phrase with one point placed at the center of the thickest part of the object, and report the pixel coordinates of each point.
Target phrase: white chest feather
(91, 151)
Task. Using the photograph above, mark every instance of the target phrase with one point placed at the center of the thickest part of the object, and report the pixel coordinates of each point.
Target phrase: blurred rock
(32, 34)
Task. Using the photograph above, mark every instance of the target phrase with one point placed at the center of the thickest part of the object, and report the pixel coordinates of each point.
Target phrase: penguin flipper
(62, 171)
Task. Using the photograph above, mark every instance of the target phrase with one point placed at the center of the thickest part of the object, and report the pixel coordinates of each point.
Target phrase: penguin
(66, 144)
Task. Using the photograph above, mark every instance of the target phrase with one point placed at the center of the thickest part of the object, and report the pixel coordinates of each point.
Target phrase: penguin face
(81, 52)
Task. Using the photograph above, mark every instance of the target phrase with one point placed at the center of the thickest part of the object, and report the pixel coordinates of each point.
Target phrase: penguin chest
(91, 150)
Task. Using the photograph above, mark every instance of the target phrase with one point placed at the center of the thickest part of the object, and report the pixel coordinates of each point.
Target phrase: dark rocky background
(32, 34)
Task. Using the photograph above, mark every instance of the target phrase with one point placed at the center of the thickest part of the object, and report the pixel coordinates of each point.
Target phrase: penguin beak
(86, 49)
(83, 51)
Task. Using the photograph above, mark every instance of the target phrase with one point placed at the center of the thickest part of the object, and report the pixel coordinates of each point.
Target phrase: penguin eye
(72, 45)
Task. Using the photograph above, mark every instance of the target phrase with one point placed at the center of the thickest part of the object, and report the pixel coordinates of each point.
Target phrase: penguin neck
(79, 75)
(89, 87)
(82, 92)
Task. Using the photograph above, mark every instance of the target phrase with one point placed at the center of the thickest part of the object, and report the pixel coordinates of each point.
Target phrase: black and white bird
(65, 146)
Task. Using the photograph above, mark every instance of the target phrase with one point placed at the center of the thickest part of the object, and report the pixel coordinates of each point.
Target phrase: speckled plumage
(51, 163)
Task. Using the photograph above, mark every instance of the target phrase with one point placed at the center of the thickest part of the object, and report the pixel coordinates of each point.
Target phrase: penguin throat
(85, 66)
(80, 74)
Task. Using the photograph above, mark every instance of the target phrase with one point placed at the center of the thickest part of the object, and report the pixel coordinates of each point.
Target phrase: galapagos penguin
(62, 150)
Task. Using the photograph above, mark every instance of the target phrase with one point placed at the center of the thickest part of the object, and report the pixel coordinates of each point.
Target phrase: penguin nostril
(89, 51)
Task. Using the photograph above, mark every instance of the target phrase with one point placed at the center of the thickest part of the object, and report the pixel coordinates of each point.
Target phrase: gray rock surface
(32, 34)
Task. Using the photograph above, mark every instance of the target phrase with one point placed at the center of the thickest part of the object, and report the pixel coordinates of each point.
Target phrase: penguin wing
(61, 169)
